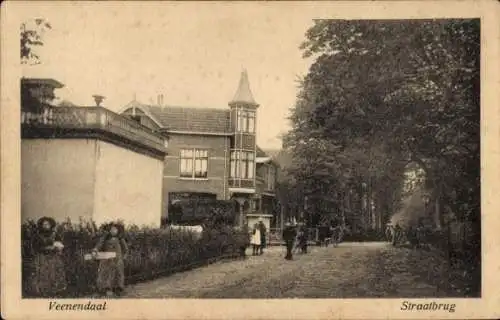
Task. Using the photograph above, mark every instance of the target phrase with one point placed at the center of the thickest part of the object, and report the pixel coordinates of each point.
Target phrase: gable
(140, 109)
(143, 118)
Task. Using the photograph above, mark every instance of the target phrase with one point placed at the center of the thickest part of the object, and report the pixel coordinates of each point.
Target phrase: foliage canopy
(380, 94)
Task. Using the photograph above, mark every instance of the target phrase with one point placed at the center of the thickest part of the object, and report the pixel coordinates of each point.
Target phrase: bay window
(235, 157)
(242, 164)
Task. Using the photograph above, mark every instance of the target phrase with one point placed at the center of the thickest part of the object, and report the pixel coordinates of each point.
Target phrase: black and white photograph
(242, 155)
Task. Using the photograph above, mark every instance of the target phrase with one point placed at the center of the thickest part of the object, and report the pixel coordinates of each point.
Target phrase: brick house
(213, 153)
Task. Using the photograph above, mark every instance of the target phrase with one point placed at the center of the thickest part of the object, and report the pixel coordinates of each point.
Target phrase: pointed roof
(243, 93)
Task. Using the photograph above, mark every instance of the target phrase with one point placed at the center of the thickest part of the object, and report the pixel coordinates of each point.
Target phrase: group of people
(295, 235)
(258, 238)
(47, 275)
(414, 234)
(331, 232)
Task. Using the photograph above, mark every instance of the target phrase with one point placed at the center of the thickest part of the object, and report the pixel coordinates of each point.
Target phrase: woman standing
(255, 241)
(111, 272)
(48, 275)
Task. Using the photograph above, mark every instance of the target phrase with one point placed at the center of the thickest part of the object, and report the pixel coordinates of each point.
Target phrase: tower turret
(243, 145)
(243, 95)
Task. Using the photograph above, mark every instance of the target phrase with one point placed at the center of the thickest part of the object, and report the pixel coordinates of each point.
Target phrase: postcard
(250, 160)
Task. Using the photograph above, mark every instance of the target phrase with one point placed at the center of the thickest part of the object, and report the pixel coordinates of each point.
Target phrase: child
(255, 241)
(48, 274)
(111, 272)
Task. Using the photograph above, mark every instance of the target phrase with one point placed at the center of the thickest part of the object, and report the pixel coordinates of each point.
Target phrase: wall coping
(93, 123)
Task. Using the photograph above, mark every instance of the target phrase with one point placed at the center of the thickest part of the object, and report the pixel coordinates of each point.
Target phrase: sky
(192, 56)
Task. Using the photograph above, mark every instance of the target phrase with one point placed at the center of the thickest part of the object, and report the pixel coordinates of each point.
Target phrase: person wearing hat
(289, 234)
(48, 275)
(111, 272)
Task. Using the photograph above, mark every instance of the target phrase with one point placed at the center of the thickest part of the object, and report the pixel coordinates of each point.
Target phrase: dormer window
(245, 121)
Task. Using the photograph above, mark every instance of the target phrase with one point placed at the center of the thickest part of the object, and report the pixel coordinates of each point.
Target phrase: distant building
(213, 153)
(87, 162)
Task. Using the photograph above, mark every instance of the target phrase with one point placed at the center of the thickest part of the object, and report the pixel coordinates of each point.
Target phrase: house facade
(213, 153)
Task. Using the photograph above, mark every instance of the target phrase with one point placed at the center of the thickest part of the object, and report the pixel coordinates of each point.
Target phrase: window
(251, 122)
(250, 165)
(194, 163)
(241, 120)
(257, 205)
(246, 121)
(242, 164)
(235, 157)
(187, 163)
(271, 178)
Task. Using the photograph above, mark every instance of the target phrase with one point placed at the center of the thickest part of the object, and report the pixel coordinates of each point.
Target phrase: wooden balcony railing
(91, 119)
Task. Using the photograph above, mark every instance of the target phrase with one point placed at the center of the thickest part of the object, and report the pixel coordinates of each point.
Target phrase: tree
(383, 93)
(32, 36)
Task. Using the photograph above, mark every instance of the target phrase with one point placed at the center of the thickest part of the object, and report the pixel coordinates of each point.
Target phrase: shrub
(152, 251)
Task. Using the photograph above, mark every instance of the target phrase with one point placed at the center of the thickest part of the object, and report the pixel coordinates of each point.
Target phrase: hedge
(153, 252)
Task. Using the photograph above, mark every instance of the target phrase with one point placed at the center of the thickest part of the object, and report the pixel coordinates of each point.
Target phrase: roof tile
(209, 120)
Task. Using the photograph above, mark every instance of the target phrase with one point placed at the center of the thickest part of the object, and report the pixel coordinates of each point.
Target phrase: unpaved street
(348, 271)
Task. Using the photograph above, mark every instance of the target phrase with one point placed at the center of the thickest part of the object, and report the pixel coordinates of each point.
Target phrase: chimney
(160, 100)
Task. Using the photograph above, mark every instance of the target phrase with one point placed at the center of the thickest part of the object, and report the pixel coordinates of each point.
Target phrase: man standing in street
(289, 234)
